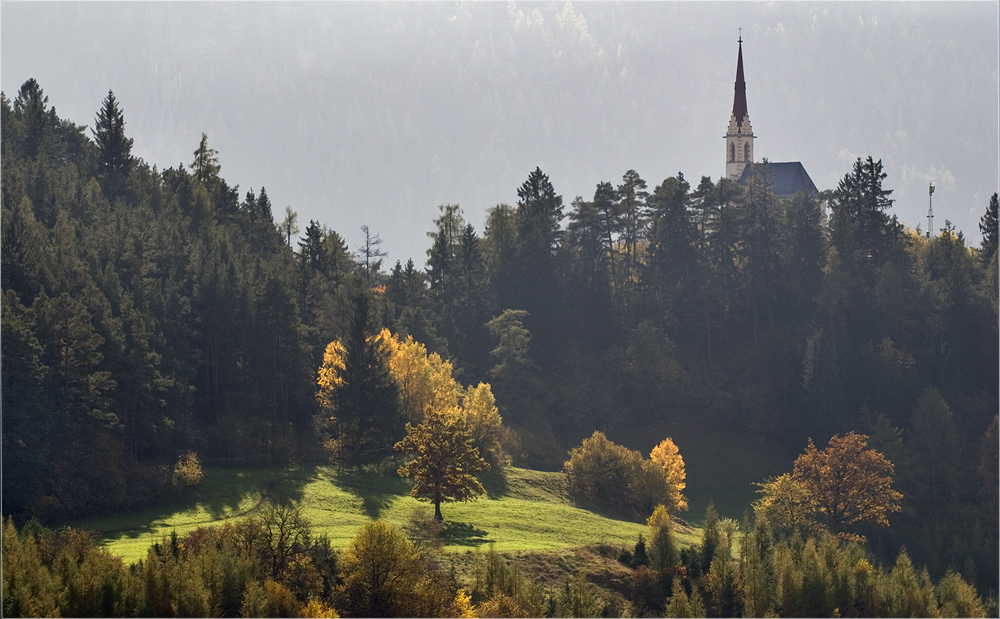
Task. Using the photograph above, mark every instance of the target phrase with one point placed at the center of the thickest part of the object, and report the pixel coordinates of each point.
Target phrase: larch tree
(206, 161)
(444, 461)
(289, 225)
(667, 458)
(663, 553)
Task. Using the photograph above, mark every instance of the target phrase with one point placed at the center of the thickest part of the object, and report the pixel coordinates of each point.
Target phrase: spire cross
(741, 34)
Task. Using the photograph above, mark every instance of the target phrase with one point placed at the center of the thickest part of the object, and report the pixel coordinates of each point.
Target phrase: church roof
(790, 177)
(740, 96)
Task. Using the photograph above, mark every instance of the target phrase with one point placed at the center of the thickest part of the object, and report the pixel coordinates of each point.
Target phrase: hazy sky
(376, 113)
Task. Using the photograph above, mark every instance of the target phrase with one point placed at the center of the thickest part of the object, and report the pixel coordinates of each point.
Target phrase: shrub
(613, 475)
(187, 471)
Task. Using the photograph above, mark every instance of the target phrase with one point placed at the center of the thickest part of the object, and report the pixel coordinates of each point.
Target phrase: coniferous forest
(158, 320)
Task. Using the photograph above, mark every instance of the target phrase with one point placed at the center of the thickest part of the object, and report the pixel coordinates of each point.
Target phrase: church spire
(740, 97)
(739, 137)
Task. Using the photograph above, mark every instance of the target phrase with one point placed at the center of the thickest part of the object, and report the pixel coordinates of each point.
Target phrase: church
(790, 177)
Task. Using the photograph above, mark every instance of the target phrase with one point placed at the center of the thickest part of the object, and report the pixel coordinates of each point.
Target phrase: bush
(187, 471)
(610, 474)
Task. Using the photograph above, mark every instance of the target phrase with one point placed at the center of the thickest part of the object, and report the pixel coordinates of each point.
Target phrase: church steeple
(740, 97)
(739, 137)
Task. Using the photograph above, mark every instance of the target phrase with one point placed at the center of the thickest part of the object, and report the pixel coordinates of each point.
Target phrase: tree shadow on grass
(463, 534)
(607, 511)
(221, 495)
(376, 491)
(495, 483)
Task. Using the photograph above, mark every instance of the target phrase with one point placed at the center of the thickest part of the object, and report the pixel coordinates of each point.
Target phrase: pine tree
(539, 213)
(860, 226)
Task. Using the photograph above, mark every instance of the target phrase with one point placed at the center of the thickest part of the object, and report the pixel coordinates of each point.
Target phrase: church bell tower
(739, 137)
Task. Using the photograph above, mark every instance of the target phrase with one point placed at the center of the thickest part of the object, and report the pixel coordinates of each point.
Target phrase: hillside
(530, 512)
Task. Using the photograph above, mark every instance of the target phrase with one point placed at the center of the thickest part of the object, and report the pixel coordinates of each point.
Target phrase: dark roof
(740, 96)
(789, 178)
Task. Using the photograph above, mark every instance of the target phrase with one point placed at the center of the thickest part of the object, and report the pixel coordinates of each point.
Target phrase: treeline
(150, 312)
(270, 564)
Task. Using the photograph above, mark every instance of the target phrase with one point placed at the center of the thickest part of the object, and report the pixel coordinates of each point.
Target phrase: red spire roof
(740, 97)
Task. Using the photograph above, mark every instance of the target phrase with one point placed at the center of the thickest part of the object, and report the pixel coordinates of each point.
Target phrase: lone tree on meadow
(445, 461)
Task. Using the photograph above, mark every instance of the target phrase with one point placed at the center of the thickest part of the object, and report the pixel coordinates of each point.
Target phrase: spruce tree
(367, 403)
(988, 226)
(114, 148)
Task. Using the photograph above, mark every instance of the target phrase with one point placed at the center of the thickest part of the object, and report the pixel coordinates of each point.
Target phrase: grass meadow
(523, 511)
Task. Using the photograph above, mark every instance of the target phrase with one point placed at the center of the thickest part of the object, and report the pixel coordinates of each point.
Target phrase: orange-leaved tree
(841, 486)
(847, 482)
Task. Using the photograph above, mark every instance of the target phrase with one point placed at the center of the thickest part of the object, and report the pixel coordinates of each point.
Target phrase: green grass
(526, 511)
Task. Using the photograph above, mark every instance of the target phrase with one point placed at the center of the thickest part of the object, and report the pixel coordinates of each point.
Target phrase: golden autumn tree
(426, 384)
(847, 482)
(424, 379)
(329, 379)
(484, 424)
(329, 375)
(841, 486)
(444, 461)
(667, 458)
(785, 504)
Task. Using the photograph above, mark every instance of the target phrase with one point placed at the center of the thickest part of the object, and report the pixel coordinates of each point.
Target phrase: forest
(150, 315)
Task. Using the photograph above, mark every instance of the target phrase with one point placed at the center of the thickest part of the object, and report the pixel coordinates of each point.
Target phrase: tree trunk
(437, 510)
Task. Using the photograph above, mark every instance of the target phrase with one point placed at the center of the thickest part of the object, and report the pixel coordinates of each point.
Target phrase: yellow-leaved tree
(329, 375)
(330, 378)
(484, 424)
(426, 386)
(668, 458)
(425, 380)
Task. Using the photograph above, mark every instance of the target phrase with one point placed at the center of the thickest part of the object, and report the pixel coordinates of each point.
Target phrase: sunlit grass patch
(527, 511)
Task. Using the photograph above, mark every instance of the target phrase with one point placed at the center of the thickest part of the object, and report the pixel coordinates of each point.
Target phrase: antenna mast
(930, 209)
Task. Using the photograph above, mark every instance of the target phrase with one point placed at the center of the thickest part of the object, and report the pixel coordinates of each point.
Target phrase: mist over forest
(391, 321)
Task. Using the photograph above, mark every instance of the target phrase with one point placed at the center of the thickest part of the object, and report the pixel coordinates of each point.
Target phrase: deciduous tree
(382, 571)
(667, 457)
(848, 483)
(445, 462)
